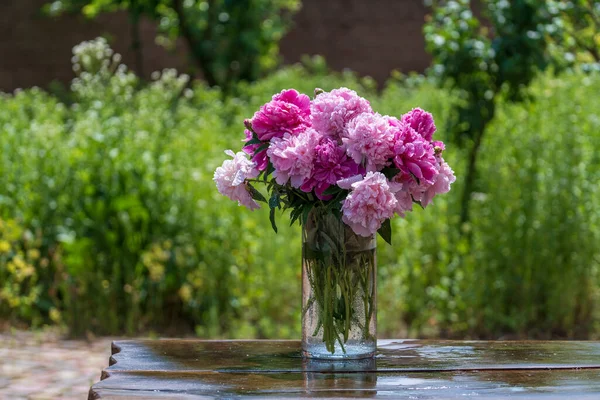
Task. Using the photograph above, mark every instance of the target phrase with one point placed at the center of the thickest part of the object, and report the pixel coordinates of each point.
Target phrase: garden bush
(531, 267)
(110, 222)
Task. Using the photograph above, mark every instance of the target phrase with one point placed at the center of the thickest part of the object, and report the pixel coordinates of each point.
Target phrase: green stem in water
(336, 278)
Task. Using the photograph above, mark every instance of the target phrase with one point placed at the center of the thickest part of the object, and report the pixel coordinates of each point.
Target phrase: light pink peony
(421, 121)
(369, 140)
(331, 111)
(347, 183)
(442, 183)
(405, 203)
(413, 154)
(231, 179)
(371, 201)
(410, 185)
(293, 157)
(288, 112)
(331, 164)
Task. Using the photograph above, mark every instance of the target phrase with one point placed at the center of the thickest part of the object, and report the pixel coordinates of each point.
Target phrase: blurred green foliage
(110, 221)
(530, 268)
(574, 32)
(229, 40)
(482, 64)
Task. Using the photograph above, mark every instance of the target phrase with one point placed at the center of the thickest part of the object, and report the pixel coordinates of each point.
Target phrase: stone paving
(45, 366)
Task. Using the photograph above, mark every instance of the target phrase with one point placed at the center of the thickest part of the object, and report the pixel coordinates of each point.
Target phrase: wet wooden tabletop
(412, 369)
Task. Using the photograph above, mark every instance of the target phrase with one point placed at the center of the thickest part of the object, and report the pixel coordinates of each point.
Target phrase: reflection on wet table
(194, 369)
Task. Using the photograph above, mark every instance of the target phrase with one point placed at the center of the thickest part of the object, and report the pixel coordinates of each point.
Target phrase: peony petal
(347, 182)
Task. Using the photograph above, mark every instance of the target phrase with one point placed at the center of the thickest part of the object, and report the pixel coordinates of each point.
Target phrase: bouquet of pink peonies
(343, 171)
(335, 152)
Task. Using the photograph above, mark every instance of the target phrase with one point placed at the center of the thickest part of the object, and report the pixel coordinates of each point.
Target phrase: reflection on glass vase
(339, 307)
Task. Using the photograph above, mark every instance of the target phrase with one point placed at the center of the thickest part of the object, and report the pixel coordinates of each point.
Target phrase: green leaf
(261, 148)
(305, 211)
(252, 141)
(256, 195)
(274, 201)
(337, 212)
(270, 168)
(295, 214)
(272, 219)
(390, 172)
(332, 190)
(386, 231)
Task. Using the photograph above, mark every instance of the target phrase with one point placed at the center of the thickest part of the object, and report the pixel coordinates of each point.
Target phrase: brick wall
(371, 37)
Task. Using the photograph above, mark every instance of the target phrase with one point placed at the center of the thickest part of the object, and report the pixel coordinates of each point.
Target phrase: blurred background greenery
(110, 222)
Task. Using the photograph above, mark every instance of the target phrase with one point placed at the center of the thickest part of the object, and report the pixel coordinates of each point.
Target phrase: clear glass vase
(339, 306)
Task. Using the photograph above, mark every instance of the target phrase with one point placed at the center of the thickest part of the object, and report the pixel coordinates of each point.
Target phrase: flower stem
(341, 282)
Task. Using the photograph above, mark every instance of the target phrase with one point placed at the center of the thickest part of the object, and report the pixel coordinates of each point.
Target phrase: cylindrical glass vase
(339, 306)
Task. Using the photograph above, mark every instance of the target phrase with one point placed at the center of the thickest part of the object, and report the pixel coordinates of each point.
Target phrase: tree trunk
(136, 42)
(203, 60)
(470, 180)
(471, 172)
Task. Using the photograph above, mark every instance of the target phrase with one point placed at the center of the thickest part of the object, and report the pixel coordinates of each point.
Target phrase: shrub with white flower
(334, 152)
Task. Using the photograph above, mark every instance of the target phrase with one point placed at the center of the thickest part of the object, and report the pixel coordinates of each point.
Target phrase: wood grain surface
(419, 369)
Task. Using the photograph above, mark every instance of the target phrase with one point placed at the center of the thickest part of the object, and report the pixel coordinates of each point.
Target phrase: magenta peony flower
(441, 184)
(288, 112)
(413, 154)
(231, 179)
(259, 158)
(421, 121)
(369, 140)
(293, 157)
(331, 111)
(300, 100)
(330, 165)
(370, 202)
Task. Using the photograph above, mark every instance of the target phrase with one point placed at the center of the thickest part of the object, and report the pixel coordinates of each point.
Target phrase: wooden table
(416, 369)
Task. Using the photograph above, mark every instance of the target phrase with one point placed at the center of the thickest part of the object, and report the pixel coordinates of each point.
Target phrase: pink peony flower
(405, 203)
(330, 165)
(288, 112)
(442, 183)
(259, 158)
(293, 157)
(413, 154)
(331, 111)
(410, 185)
(369, 140)
(370, 202)
(421, 121)
(300, 100)
(231, 179)
(347, 183)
